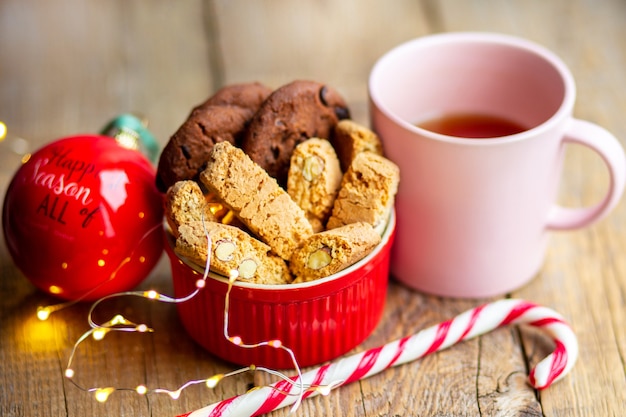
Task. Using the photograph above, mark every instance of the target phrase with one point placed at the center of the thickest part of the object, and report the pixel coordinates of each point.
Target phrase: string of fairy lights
(119, 323)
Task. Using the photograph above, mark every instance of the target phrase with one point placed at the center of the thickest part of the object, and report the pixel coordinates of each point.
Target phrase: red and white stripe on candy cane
(472, 323)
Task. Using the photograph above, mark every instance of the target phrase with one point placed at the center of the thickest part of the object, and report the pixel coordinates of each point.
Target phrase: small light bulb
(215, 208)
(43, 313)
(153, 295)
(142, 328)
(69, 373)
(275, 343)
(102, 394)
(200, 283)
(99, 333)
(141, 389)
(118, 319)
(54, 289)
(214, 380)
(228, 217)
(234, 274)
(235, 340)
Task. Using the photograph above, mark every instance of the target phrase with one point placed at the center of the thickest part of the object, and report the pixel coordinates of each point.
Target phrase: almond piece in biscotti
(331, 251)
(314, 180)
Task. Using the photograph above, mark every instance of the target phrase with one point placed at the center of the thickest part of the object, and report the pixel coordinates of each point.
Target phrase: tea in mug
(470, 125)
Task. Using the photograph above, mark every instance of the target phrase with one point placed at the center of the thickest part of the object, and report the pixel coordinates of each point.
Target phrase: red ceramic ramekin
(319, 320)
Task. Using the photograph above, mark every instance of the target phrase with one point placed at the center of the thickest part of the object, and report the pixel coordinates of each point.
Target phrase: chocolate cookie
(223, 117)
(291, 114)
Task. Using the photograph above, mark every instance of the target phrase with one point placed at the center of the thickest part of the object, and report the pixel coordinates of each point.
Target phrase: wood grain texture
(68, 66)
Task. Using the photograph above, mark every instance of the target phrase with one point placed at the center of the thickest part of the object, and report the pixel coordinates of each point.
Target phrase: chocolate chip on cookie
(291, 114)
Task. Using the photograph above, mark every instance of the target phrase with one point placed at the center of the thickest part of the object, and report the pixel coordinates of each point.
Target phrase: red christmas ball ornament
(82, 218)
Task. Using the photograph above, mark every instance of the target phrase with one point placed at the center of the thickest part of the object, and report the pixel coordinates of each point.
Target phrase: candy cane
(465, 326)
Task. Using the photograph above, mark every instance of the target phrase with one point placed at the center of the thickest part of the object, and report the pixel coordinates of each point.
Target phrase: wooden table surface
(69, 66)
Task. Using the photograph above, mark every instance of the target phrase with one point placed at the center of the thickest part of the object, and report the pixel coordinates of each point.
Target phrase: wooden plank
(75, 65)
(277, 41)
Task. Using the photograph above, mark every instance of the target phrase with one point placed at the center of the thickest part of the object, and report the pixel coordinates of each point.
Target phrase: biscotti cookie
(314, 179)
(331, 251)
(367, 191)
(351, 138)
(256, 198)
(185, 203)
(291, 114)
(231, 249)
(223, 118)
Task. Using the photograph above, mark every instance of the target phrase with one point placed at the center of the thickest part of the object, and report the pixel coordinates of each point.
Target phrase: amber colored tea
(469, 125)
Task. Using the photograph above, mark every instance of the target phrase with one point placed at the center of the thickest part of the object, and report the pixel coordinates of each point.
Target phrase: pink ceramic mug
(474, 214)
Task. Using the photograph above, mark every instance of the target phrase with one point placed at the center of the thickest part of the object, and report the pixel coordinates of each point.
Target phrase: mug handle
(610, 150)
